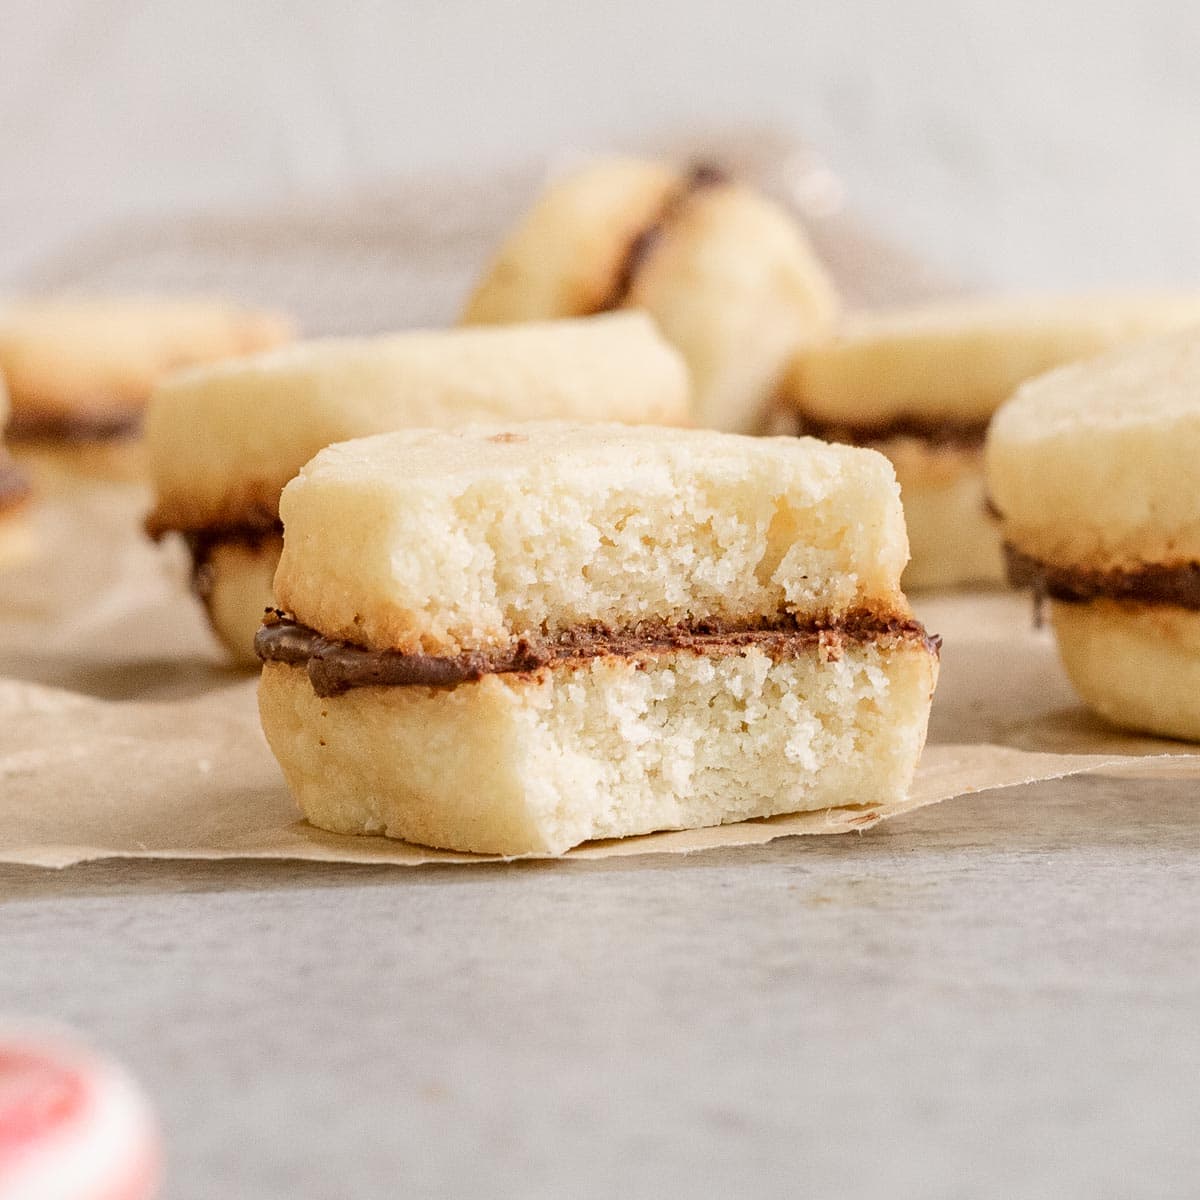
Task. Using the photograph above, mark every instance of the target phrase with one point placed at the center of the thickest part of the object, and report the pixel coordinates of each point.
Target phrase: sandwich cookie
(73, 1126)
(513, 639)
(223, 441)
(921, 385)
(1094, 472)
(15, 492)
(79, 372)
(728, 275)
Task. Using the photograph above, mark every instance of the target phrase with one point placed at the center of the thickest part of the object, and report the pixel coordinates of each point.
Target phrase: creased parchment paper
(123, 734)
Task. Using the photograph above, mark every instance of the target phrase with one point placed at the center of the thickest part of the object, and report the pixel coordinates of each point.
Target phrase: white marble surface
(996, 997)
(1022, 144)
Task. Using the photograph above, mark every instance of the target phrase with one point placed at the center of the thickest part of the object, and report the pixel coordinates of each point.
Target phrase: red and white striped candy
(73, 1126)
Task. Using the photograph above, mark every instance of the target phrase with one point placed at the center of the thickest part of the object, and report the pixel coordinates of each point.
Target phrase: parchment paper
(124, 733)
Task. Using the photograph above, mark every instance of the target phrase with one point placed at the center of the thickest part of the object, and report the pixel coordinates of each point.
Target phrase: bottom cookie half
(233, 579)
(610, 746)
(1137, 665)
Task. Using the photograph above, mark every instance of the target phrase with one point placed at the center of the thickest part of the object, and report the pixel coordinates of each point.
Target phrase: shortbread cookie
(15, 492)
(512, 639)
(728, 275)
(1093, 471)
(921, 385)
(79, 372)
(224, 440)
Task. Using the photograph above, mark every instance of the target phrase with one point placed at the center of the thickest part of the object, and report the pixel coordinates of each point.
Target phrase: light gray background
(997, 997)
(1025, 144)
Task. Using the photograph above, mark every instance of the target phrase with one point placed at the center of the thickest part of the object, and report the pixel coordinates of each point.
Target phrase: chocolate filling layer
(937, 431)
(334, 667)
(82, 427)
(1152, 583)
(701, 176)
(14, 484)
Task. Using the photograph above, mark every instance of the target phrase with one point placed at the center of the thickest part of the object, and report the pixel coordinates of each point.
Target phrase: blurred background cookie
(1092, 470)
(79, 371)
(728, 275)
(921, 385)
(223, 441)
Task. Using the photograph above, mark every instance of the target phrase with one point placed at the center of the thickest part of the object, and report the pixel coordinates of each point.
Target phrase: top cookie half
(223, 441)
(1094, 466)
(953, 363)
(437, 543)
